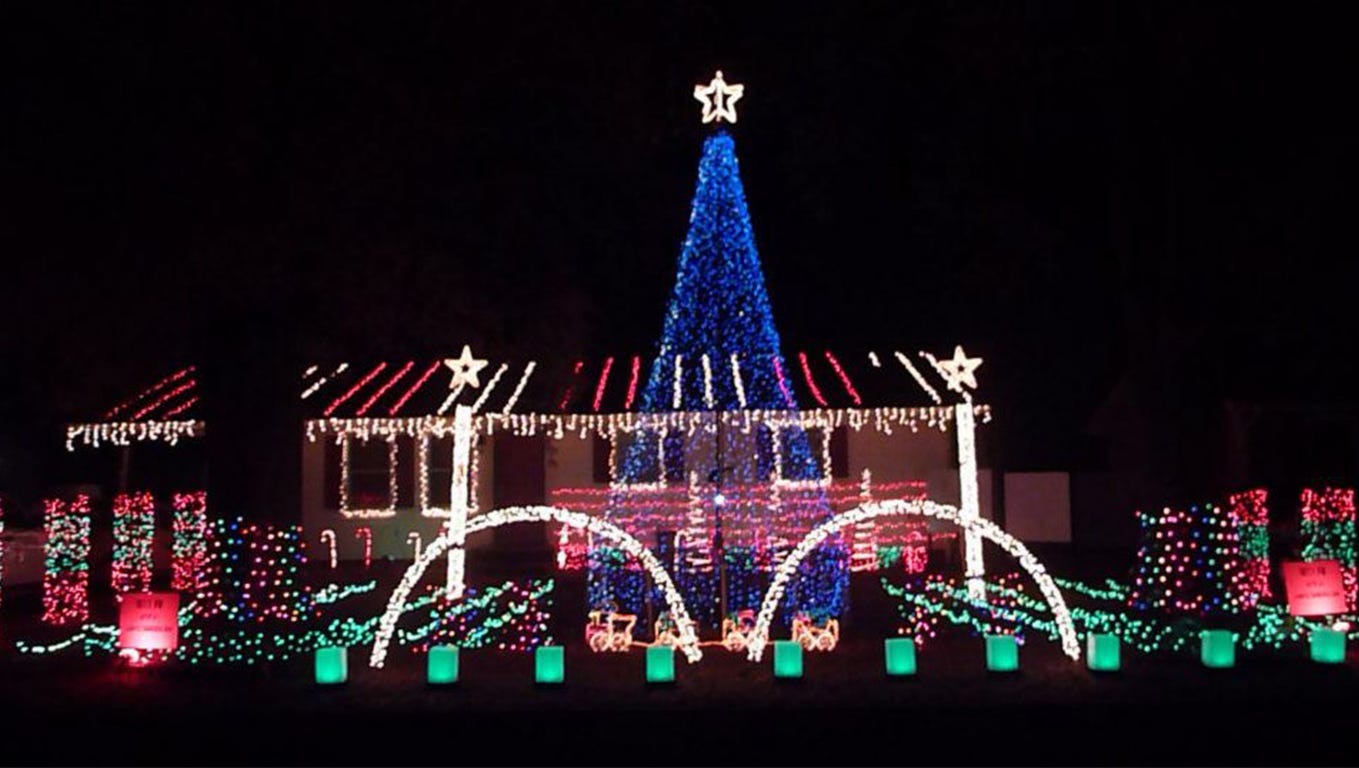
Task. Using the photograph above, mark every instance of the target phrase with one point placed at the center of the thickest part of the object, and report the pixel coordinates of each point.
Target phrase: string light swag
(719, 99)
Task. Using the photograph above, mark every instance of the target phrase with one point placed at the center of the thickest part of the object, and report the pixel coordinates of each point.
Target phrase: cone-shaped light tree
(719, 352)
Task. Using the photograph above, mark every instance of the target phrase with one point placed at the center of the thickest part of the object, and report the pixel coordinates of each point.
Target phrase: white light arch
(688, 640)
(984, 528)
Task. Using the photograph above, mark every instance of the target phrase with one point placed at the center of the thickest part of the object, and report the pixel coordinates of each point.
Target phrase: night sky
(1078, 192)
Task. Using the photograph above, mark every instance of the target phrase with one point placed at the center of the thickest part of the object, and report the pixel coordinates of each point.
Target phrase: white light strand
(607, 425)
(986, 529)
(915, 374)
(519, 388)
(967, 490)
(490, 385)
(413, 538)
(676, 398)
(310, 370)
(873, 358)
(396, 605)
(129, 432)
(707, 382)
(448, 401)
(321, 382)
(456, 527)
(736, 378)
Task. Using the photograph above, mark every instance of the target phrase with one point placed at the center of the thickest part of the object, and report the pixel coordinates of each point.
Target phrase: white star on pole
(465, 368)
(719, 99)
(959, 371)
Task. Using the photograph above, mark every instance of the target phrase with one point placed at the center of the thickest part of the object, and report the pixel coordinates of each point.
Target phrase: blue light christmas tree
(718, 312)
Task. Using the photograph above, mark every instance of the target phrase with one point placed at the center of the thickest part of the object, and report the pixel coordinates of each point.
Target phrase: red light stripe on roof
(418, 383)
(632, 382)
(163, 399)
(178, 409)
(783, 383)
(811, 383)
(844, 378)
(360, 384)
(603, 382)
(151, 390)
(566, 396)
(382, 390)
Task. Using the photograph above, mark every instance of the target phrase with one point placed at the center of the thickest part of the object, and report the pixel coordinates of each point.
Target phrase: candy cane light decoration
(328, 538)
(366, 533)
(414, 539)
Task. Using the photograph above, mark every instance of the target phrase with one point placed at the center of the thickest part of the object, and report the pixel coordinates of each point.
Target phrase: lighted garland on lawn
(510, 617)
(1329, 532)
(134, 528)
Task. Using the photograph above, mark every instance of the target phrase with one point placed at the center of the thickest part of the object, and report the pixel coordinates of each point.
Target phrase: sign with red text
(149, 621)
(1315, 588)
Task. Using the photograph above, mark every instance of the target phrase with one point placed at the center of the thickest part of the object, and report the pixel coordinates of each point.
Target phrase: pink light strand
(339, 401)
(570, 388)
(632, 382)
(151, 390)
(844, 378)
(783, 383)
(165, 398)
(382, 390)
(811, 383)
(418, 383)
(603, 381)
(182, 407)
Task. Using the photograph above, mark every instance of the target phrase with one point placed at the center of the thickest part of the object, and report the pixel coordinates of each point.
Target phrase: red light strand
(603, 382)
(360, 384)
(811, 383)
(382, 390)
(632, 382)
(151, 390)
(844, 378)
(571, 388)
(415, 387)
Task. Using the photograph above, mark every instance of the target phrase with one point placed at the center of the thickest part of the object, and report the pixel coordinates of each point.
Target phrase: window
(674, 457)
(370, 474)
(800, 453)
(440, 472)
(600, 459)
(839, 451)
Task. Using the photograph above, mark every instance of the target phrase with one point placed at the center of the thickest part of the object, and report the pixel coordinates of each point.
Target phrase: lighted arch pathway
(985, 528)
(688, 641)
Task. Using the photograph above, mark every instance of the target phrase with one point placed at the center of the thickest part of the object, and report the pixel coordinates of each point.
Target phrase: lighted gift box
(1002, 653)
(1217, 648)
(787, 659)
(660, 664)
(900, 652)
(549, 664)
(1327, 645)
(332, 665)
(442, 667)
(1101, 652)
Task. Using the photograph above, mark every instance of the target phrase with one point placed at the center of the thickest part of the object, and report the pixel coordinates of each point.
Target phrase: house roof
(411, 388)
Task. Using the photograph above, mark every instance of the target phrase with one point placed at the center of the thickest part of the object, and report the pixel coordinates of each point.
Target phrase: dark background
(1145, 198)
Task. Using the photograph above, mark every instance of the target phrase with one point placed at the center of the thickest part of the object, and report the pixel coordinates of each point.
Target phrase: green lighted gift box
(787, 659)
(900, 656)
(1101, 652)
(1002, 653)
(660, 664)
(549, 664)
(332, 665)
(1328, 646)
(1217, 648)
(442, 668)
